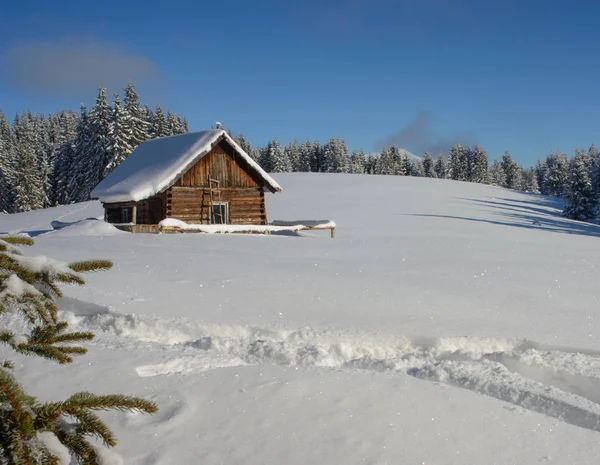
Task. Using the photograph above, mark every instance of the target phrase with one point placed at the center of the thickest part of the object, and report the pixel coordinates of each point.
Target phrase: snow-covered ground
(446, 323)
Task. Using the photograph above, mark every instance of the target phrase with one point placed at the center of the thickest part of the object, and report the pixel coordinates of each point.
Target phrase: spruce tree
(274, 159)
(80, 159)
(159, 123)
(28, 189)
(358, 162)
(511, 172)
(530, 183)
(385, 163)
(428, 166)
(480, 166)
(305, 157)
(32, 432)
(540, 174)
(135, 126)
(90, 167)
(441, 167)
(292, 154)
(317, 157)
(595, 173)
(175, 124)
(335, 156)
(581, 201)
(118, 142)
(243, 143)
(416, 167)
(497, 176)
(456, 164)
(7, 162)
(556, 175)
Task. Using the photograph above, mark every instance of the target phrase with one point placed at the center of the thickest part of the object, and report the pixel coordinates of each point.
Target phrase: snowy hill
(447, 323)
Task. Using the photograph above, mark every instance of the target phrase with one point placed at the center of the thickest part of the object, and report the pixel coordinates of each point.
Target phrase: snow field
(446, 323)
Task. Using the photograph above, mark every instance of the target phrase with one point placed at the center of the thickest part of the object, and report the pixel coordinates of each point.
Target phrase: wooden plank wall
(217, 165)
(191, 204)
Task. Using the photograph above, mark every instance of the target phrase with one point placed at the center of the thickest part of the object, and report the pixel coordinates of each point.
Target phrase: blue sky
(510, 75)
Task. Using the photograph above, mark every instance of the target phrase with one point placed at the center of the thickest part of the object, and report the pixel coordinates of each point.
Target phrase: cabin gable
(223, 164)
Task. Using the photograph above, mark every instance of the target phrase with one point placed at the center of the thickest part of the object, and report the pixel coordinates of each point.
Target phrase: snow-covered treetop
(155, 164)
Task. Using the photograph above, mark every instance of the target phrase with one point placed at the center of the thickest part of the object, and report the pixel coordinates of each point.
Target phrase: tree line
(59, 158)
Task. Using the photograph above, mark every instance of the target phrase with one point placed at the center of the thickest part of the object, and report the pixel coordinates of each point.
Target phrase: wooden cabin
(199, 178)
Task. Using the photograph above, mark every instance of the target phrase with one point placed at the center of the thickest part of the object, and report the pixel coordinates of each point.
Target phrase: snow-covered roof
(156, 164)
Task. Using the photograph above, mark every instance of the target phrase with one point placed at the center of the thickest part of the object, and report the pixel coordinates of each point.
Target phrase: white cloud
(70, 66)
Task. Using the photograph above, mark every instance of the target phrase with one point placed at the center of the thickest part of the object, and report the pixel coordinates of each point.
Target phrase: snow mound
(88, 227)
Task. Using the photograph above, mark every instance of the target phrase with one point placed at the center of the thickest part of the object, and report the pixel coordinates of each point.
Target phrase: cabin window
(219, 213)
(119, 215)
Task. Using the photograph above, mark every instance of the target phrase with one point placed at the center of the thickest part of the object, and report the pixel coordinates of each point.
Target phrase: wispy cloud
(419, 136)
(70, 66)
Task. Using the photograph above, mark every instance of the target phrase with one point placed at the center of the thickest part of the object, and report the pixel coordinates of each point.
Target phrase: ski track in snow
(561, 383)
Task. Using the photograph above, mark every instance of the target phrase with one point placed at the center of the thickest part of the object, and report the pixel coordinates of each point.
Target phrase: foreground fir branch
(31, 432)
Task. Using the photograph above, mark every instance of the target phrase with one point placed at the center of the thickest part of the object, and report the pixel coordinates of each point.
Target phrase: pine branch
(91, 266)
(78, 446)
(110, 402)
(90, 424)
(18, 240)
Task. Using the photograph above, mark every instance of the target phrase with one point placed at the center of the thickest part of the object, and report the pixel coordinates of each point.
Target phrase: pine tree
(428, 166)
(135, 126)
(540, 175)
(441, 167)
(317, 158)
(530, 183)
(31, 291)
(595, 173)
(358, 162)
(480, 166)
(118, 143)
(497, 176)
(159, 123)
(335, 156)
(28, 191)
(274, 159)
(7, 162)
(292, 154)
(62, 156)
(385, 162)
(305, 157)
(511, 172)
(398, 165)
(581, 201)
(175, 124)
(91, 166)
(456, 165)
(416, 167)
(556, 175)
(80, 158)
(243, 143)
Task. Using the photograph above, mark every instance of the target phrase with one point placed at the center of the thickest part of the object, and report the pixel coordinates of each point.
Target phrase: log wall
(192, 204)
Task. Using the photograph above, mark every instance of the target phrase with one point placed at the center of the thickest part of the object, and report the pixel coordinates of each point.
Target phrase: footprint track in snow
(564, 384)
